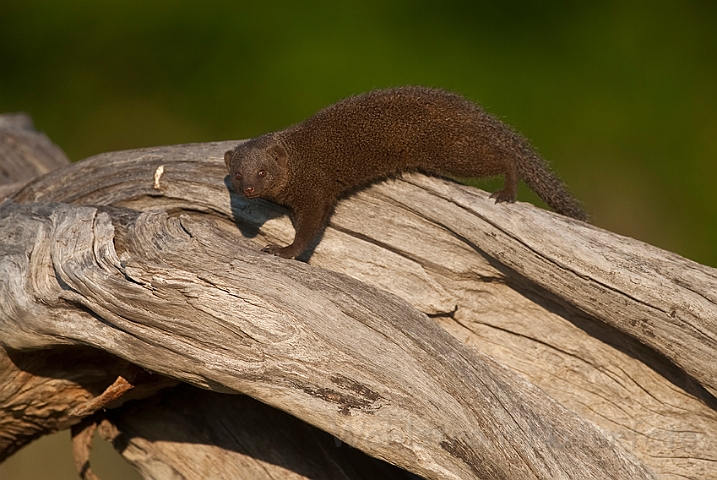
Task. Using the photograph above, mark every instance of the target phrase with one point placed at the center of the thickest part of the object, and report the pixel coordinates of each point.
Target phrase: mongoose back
(379, 134)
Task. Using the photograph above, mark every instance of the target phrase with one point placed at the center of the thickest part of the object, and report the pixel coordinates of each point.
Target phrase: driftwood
(142, 258)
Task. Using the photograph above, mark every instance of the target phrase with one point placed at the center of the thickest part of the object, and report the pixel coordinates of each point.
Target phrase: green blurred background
(621, 97)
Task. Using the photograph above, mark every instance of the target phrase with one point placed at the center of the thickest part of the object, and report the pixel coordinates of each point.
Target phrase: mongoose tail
(537, 175)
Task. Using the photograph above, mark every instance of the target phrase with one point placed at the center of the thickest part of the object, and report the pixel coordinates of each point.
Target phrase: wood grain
(617, 331)
(330, 350)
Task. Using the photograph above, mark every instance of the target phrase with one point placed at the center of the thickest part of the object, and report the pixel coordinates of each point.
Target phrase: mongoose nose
(248, 190)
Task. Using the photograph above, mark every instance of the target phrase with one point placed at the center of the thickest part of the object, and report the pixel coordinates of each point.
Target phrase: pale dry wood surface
(615, 330)
(332, 351)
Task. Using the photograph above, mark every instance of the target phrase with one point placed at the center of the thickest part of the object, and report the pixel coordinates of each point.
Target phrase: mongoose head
(258, 167)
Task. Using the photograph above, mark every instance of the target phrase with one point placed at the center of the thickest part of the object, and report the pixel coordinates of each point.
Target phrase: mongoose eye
(238, 176)
(262, 173)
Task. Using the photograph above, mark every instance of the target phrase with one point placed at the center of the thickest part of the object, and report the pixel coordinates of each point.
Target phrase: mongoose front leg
(308, 222)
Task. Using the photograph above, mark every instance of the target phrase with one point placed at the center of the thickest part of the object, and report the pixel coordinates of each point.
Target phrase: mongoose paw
(277, 250)
(503, 196)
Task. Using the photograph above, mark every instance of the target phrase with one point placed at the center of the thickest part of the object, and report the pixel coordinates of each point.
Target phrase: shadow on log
(148, 432)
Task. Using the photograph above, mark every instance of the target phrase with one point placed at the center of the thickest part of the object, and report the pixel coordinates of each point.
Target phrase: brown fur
(308, 166)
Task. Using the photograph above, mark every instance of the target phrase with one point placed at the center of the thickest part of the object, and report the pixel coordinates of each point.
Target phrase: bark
(145, 256)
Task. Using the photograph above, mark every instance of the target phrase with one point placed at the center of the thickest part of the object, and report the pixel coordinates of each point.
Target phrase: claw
(278, 251)
(503, 196)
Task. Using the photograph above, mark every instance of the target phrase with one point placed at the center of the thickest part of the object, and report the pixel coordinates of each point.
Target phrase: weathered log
(25, 153)
(343, 356)
(509, 280)
(45, 386)
(38, 391)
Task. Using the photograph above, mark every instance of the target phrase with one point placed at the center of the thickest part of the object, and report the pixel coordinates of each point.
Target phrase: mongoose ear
(278, 152)
(228, 158)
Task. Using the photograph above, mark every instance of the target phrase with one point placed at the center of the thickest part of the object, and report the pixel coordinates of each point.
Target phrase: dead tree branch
(146, 257)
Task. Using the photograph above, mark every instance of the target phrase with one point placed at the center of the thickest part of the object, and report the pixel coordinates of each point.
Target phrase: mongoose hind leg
(509, 192)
